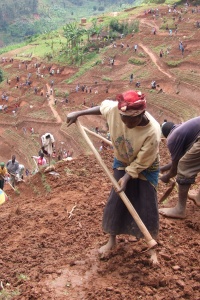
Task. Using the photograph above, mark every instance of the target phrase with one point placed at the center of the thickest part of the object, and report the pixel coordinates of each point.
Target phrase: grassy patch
(141, 54)
(61, 94)
(17, 192)
(174, 63)
(12, 47)
(136, 61)
(23, 277)
(106, 79)
(68, 171)
(41, 114)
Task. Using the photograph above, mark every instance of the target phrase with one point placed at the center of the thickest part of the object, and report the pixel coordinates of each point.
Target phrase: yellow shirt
(137, 148)
(3, 171)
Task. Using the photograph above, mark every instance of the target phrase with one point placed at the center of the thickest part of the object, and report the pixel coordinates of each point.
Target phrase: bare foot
(172, 213)
(107, 247)
(194, 198)
(153, 258)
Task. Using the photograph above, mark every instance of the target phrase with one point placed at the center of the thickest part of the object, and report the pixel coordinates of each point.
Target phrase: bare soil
(51, 227)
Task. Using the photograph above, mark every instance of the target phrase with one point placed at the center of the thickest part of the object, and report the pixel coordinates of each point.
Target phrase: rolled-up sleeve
(106, 106)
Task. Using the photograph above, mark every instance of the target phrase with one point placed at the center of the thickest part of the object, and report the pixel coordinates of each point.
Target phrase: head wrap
(131, 103)
(166, 128)
(2, 164)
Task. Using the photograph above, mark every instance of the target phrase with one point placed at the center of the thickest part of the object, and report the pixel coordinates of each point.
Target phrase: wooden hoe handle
(149, 240)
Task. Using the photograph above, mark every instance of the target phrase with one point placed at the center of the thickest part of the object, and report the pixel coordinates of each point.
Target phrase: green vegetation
(45, 183)
(68, 171)
(1, 76)
(23, 277)
(136, 61)
(40, 114)
(59, 93)
(17, 192)
(27, 18)
(84, 68)
(106, 79)
(6, 294)
(123, 27)
(174, 63)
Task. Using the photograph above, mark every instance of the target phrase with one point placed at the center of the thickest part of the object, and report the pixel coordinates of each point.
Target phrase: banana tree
(74, 34)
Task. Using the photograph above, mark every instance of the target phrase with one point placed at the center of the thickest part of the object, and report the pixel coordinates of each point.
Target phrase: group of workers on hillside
(13, 171)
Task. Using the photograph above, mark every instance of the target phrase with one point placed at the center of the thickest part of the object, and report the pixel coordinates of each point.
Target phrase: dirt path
(51, 105)
(156, 62)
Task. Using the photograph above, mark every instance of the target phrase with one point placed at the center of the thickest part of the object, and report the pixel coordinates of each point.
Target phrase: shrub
(141, 54)
(136, 61)
(106, 79)
(124, 27)
(174, 64)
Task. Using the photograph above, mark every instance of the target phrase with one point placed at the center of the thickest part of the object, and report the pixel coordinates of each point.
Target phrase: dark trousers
(1, 184)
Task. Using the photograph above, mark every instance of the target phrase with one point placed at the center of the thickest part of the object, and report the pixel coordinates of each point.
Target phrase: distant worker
(3, 173)
(135, 47)
(153, 84)
(47, 143)
(13, 169)
(131, 78)
(137, 84)
(20, 175)
(41, 160)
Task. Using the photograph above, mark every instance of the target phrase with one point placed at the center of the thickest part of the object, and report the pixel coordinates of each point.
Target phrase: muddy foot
(107, 247)
(194, 198)
(172, 213)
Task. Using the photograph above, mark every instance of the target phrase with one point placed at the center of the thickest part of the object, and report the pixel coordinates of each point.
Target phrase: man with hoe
(48, 141)
(135, 137)
(183, 142)
(13, 169)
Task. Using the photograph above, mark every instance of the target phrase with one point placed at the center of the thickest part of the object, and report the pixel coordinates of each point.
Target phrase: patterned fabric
(131, 103)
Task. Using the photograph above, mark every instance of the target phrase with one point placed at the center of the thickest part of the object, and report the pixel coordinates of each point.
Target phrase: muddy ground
(51, 232)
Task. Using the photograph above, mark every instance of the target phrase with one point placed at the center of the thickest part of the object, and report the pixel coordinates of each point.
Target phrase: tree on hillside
(1, 75)
(94, 29)
(74, 34)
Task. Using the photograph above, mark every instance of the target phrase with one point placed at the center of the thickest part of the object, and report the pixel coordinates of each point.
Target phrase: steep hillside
(25, 18)
(51, 225)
